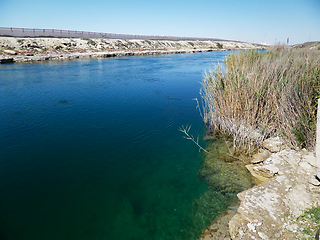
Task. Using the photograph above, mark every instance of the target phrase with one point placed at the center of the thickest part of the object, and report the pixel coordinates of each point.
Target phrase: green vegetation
(262, 94)
(219, 45)
(308, 222)
(312, 214)
(90, 41)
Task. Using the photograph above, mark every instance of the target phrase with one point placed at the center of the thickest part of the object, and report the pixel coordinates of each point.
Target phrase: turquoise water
(90, 149)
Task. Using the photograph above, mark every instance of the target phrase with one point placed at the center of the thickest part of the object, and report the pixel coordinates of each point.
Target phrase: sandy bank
(42, 49)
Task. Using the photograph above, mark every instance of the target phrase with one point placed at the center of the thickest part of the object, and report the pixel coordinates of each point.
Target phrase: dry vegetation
(262, 94)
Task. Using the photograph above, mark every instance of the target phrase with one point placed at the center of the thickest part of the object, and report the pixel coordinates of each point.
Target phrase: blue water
(90, 149)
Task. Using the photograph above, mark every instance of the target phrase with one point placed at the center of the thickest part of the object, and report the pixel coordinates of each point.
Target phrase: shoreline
(276, 207)
(15, 49)
(255, 105)
(75, 55)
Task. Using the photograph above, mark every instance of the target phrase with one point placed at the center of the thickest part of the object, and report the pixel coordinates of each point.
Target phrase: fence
(55, 33)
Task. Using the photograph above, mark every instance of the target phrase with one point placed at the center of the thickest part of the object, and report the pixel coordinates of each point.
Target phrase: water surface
(90, 149)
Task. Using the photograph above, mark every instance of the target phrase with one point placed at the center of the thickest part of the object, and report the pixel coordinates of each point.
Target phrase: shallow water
(90, 149)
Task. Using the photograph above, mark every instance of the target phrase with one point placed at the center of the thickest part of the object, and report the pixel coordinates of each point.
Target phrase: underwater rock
(226, 176)
(219, 228)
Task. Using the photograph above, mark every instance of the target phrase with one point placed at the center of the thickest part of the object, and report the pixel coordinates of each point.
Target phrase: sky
(269, 21)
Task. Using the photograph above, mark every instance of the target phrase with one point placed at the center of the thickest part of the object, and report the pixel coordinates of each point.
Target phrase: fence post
(318, 143)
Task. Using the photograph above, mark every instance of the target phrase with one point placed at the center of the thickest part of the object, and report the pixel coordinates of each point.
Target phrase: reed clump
(256, 95)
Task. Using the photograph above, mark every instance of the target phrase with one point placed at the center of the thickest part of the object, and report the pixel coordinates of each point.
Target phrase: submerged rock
(219, 228)
(226, 178)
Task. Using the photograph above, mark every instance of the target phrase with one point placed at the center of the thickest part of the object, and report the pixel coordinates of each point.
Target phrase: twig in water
(186, 130)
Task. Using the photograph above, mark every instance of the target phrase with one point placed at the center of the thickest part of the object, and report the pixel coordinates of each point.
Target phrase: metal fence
(55, 33)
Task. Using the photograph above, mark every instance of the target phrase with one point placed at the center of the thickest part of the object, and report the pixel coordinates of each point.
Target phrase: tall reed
(263, 94)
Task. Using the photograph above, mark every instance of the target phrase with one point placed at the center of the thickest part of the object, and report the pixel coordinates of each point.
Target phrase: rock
(266, 210)
(58, 47)
(273, 144)
(310, 158)
(261, 156)
(297, 200)
(10, 52)
(257, 174)
(314, 181)
(219, 227)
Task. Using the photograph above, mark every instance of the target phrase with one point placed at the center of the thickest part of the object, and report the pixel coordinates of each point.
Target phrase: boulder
(259, 173)
(270, 210)
(273, 144)
(10, 52)
(261, 156)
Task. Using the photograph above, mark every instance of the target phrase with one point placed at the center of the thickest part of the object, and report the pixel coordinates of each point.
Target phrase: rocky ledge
(14, 49)
(273, 208)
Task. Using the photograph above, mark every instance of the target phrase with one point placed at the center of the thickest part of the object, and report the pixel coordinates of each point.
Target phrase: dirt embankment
(308, 45)
(14, 49)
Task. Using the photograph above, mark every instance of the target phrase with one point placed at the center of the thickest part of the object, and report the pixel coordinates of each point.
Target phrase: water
(90, 149)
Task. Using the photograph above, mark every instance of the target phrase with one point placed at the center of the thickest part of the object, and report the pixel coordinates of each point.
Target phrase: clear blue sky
(253, 21)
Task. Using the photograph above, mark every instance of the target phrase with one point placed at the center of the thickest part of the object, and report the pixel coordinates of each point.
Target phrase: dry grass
(264, 94)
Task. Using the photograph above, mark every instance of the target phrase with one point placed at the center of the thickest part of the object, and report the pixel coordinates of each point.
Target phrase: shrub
(219, 45)
(90, 41)
(260, 95)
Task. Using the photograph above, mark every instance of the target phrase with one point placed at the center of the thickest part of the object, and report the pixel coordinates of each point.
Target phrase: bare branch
(186, 130)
